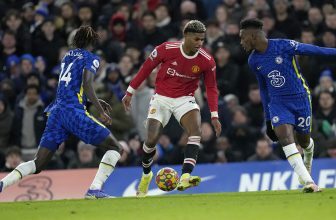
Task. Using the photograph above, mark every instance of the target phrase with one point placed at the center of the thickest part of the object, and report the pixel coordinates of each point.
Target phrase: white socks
(308, 154)
(24, 169)
(106, 167)
(294, 158)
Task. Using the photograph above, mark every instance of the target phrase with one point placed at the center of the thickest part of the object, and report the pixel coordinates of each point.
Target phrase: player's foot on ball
(144, 184)
(1, 186)
(311, 188)
(187, 181)
(97, 194)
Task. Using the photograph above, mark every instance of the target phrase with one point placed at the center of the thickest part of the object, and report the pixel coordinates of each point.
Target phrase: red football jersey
(179, 74)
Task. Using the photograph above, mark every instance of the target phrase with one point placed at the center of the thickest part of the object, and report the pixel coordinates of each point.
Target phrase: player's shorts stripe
(80, 94)
(300, 76)
(311, 113)
(94, 119)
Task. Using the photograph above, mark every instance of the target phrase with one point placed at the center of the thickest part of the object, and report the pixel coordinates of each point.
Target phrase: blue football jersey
(277, 69)
(70, 85)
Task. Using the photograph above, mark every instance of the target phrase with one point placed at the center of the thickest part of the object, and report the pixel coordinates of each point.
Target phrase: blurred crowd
(35, 35)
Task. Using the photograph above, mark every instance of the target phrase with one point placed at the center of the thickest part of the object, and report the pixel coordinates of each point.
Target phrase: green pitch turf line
(270, 205)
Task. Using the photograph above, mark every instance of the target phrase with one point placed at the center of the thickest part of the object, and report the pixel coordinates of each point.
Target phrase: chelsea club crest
(278, 59)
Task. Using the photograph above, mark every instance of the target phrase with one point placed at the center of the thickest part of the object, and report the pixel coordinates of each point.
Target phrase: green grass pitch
(270, 205)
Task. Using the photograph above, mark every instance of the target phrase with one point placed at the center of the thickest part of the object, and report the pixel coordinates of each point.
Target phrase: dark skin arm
(91, 94)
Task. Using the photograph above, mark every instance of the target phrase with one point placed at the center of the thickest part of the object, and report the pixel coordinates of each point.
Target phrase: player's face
(247, 39)
(194, 41)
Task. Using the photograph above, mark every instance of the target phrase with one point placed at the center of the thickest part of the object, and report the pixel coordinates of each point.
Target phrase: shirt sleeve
(153, 60)
(297, 48)
(211, 89)
(92, 63)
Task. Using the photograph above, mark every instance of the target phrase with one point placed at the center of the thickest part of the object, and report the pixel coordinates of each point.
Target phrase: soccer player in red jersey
(183, 63)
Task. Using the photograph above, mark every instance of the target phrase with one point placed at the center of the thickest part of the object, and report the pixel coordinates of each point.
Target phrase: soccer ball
(167, 179)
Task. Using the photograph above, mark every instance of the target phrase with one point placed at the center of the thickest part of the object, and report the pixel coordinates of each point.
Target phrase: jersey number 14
(65, 74)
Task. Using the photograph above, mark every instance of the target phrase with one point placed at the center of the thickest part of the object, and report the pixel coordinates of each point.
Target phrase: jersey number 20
(65, 75)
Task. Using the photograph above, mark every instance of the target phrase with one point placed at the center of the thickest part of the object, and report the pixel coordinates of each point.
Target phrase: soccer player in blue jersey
(68, 115)
(285, 94)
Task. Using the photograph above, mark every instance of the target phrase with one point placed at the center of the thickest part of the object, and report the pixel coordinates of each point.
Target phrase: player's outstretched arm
(91, 94)
(308, 49)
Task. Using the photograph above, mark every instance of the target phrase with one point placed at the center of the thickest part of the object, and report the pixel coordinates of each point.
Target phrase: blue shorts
(63, 121)
(294, 110)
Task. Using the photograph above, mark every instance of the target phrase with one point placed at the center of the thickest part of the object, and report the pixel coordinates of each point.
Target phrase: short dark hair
(253, 23)
(37, 88)
(253, 86)
(84, 37)
(13, 150)
(194, 26)
(149, 13)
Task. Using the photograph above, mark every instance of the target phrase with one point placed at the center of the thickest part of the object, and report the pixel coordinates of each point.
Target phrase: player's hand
(126, 100)
(107, 108)
(105, 118)
(217, 125)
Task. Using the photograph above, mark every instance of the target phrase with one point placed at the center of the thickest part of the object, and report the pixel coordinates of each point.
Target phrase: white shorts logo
(275, 119)
(276, 79)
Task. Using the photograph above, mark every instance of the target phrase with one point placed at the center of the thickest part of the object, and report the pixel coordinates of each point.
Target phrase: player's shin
(105, 169)
(308, 154)
(147, 158)
(294, 158)
(24, 169)
(191, 153)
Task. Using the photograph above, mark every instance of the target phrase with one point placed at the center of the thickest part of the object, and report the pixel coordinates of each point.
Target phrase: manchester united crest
(195, 69)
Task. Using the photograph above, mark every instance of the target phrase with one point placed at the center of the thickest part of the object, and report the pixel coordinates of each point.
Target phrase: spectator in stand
(86, 157)
(49, 42)
(13, 159)
(224, 151)
(263, 152)
(69, 18)
(150, 34)
(13, 22)
(29, 122)
(315, 20)
(221, 16)
(286, 23)
(326, 113)
(8, 90)
(242, 135)
(8, 47)
(6, 122)
(227, 70)
(269, 29)
(326, 83)
(254, 107)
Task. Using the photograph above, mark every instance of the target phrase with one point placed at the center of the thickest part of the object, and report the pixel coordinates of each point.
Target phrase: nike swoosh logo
(131, 189)
(259, 67)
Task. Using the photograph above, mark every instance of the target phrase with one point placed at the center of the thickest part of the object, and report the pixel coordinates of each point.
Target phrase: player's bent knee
(112, 144)
(284, 141)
